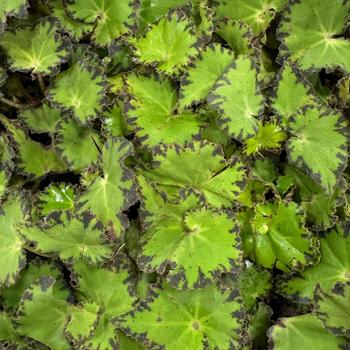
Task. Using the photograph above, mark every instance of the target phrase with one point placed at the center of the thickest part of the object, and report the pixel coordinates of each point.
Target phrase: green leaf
(237, 97)
(82, 323)
(33, 159)
(269, 136)
(71, 240)
(12, 8)
(291, 93)
(334, 309)
(152, 10)
(169, 44)
(238, 35)
(12, 256)
(42, 119)
(277, 236)
(114, 123)
(303, 332)
(333, 267)
(40, 50)
(317, 43)
(111, 290)
(81, 89)
(78, 146)
(318, 145)
(256, 13)
(9, 339)
(76, 29)
(171, 319)
(216, 180)
(36, 269)
(107, 194)
(184, 245)
(202, 74)
(319, 207)
(151, 112)
(111, 19)
(126, 343)
(56, 198)
(36, 322)
(253, 282)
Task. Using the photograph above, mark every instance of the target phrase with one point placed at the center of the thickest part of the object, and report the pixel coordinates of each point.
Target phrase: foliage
(174, 174)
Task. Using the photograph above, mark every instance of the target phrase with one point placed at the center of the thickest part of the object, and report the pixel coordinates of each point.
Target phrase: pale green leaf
(111, 18)
(202, 74)
(333, 267)
(202, 319)
(318, 145)
(151, 112)
(237, 97)
(40, 50)
(320, 42)
(202, 167)
(113, 190)
(303, 332)
(169, 44)
(71, 240)
(78, 146)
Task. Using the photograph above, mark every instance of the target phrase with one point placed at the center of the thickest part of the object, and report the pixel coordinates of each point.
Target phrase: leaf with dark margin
(33, 159)
(333, 309)
(36, 268)
(72, 239)
(114, 123)
(127, 343)
(237, 97)
(333, 267)
(202, 15)
(256, 13)
(200, 319)
(112, 191)
(156, 208)
(168, 44)
(78, 146)
(184, 244)
(317, 43)
(56, 198)
(151, 112)
(81, 89)
(111, 289)
(318, 145)
(202, 167)
(12, 8)
(238, 35)
(12, 256)
(42, 119)
(277, 237)
(40, 50)
(34, 320)
(291, 93)
(81, 324)
(320, 208)
(302, 332)
(76, 29)
(152, 10)
(9, 339)
(269, 136)
(111, 18)
(202, 73)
